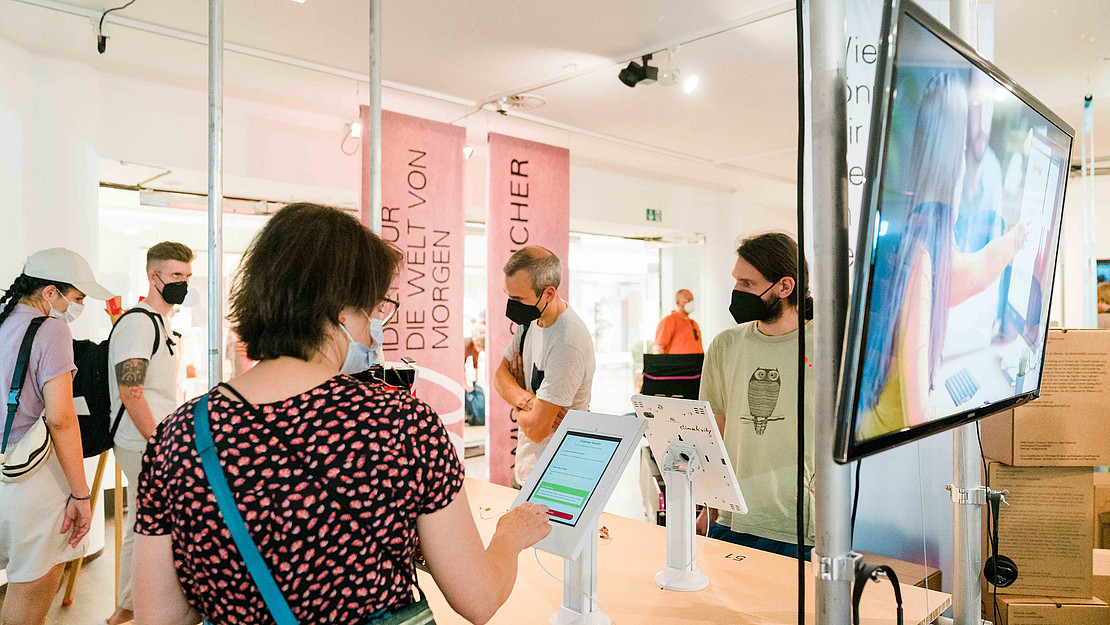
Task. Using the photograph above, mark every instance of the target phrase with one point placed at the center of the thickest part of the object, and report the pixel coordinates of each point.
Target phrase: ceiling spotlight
(636, 74)
(356, 129)
(468, 151)
(671, 75)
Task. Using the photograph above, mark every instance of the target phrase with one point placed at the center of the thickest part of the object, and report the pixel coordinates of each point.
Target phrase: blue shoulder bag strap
(217, 480)
(21, 363)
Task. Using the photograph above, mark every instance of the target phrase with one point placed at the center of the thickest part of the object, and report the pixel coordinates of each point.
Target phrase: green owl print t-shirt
(752, 379)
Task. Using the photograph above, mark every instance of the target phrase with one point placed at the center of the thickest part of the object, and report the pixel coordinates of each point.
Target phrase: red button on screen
(559, 515)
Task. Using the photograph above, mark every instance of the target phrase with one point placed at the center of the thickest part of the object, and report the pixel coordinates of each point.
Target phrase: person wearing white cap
(44, 516)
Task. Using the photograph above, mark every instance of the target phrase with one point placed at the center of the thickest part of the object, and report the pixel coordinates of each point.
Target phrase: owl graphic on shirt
(764, 388)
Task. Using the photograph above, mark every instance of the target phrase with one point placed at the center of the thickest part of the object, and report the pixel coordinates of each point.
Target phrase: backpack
(98, 428)
(474, 405)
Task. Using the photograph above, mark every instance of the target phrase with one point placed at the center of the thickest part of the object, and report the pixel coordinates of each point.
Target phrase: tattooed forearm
(132, 372)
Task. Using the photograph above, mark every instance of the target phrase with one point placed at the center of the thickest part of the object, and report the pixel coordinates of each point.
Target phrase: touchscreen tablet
(569, 481)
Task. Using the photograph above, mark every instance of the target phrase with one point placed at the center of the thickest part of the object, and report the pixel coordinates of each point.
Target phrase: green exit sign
(654, 214)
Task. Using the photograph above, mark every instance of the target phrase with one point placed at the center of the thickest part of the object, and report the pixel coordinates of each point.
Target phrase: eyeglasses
(387, 310)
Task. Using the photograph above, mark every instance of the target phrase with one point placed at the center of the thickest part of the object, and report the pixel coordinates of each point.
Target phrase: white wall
(49, 116)
(15, 100)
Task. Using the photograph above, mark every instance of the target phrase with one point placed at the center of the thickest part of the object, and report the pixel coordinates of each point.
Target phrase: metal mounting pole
(580, 590)
(833, 561)
(681, 466)
(374, 219)
(1087, 155)
(968, 495)
(215, 189)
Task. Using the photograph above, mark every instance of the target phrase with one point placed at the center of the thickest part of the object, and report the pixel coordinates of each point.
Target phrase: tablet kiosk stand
(681, 465)
(580, 590)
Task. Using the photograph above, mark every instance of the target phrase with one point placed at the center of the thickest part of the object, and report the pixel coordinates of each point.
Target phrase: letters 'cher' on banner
(529, 204)
(423, 217)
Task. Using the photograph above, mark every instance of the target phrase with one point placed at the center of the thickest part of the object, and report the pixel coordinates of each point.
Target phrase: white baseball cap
(58, 264)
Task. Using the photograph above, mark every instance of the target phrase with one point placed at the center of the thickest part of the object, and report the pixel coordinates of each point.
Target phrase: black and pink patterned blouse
(334, 515)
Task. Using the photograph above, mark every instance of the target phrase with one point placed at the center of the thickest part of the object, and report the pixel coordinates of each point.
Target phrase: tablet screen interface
(573, 474)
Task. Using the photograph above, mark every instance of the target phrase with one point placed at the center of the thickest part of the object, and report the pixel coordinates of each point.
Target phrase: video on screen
(965, 239)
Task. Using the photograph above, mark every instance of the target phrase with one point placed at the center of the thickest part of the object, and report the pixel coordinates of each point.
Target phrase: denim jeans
(723, 532)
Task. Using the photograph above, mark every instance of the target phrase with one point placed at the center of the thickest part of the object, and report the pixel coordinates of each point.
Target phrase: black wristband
(76, 498)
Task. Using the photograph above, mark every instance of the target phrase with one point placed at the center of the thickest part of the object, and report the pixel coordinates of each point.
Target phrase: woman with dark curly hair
(334, 479)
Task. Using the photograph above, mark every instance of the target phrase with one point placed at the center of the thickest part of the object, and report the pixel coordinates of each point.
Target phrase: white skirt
(31, 516)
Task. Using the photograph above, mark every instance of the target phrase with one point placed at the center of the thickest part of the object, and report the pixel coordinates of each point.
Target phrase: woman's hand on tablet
(524, 525)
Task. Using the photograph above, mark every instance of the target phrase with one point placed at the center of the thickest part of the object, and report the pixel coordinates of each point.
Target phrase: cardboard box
(1069, 426)
(1102, 508)
(908, 572)
(1046, 530)
(1102, 574)
(1021, 610)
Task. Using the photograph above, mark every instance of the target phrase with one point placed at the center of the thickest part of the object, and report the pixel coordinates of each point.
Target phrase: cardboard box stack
(1043, 453)
(1102, 510)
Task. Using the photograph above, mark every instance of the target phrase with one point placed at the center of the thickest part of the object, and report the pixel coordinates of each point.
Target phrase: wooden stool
(73, 569)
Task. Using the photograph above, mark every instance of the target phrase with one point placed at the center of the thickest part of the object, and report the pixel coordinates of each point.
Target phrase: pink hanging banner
(423, 216)
(529, 204)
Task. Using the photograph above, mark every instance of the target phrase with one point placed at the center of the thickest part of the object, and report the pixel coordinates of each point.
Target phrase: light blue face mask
(361, 357)
(377, 332)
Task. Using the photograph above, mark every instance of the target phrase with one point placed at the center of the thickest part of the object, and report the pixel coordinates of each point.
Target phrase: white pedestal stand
(580, 590)
(681, 465)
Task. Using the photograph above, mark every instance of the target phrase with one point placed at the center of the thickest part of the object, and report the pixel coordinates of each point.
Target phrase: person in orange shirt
(677, 332)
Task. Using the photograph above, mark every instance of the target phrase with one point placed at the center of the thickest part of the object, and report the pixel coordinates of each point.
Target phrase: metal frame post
(215, 189)
(968, 495)
(374, 219)
(833, 561)
(1087, 156)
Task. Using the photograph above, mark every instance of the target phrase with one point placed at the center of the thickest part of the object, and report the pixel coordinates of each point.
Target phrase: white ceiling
(743, 112)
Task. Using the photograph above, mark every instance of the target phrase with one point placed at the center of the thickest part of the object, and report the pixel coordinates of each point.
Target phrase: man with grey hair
(548, 367)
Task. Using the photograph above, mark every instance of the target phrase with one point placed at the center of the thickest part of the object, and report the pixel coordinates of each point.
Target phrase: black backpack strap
(21, 364)
(156, 319)
(523, 335)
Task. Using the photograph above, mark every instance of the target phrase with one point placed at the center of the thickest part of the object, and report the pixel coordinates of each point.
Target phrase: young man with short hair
(750, 379)
(145, 358)
(554, 371)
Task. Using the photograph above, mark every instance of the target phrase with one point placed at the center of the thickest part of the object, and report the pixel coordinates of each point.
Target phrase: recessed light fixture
(299, 1)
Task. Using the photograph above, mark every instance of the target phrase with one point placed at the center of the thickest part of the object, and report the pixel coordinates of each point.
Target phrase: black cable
(990, 528)
(101, 40)
(871, 572)
(855, 504)
(800, 298)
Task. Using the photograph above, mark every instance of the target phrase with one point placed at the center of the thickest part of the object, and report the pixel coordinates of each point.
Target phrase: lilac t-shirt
(51, 356)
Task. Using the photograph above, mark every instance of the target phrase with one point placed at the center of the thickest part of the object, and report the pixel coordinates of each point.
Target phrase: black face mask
(747, 307)
(523, 314)
(174, 292)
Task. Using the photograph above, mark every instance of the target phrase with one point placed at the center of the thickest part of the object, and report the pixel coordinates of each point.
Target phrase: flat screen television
(959, 232)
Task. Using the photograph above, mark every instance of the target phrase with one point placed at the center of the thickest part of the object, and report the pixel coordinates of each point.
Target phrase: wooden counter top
(745, 585)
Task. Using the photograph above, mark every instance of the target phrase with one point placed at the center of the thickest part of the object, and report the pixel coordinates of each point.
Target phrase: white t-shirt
(559, 369)
(134, 338)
